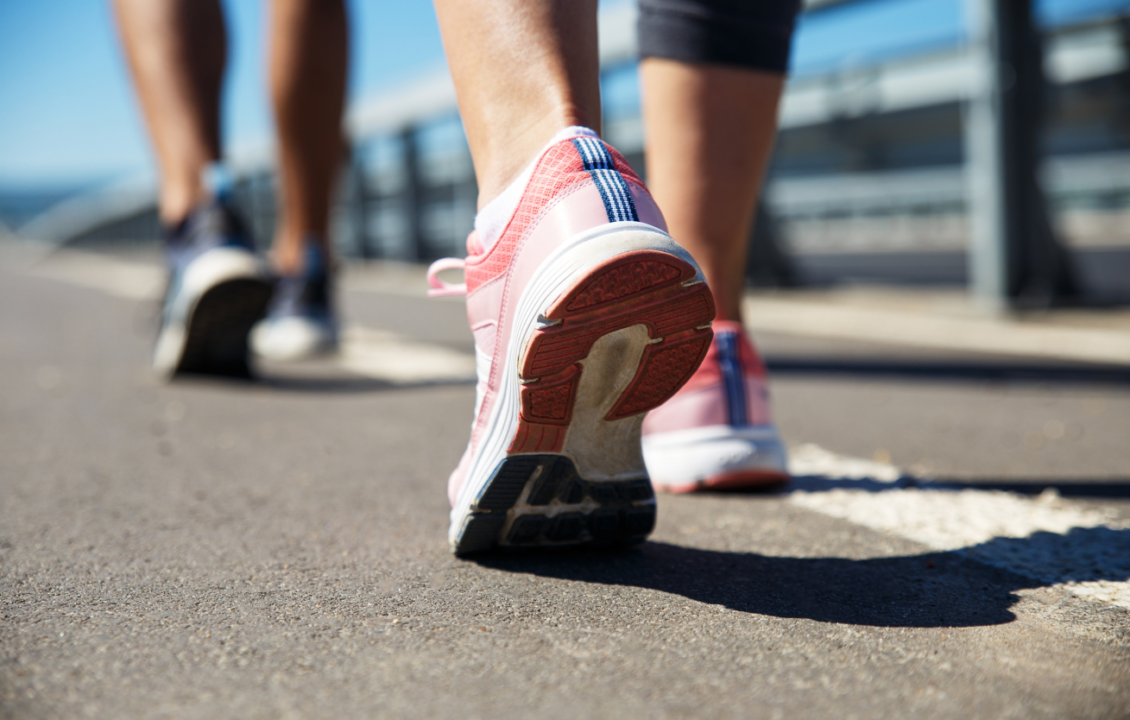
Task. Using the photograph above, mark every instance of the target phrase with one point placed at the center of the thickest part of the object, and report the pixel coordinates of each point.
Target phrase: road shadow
(1081, 488)
(1113, 489)
(950, 371)
(936, 589)
(346, 385)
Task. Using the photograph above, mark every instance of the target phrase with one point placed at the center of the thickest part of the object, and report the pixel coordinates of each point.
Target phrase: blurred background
(897, 161)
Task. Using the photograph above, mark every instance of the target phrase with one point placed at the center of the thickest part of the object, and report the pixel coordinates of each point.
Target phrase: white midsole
(212, 268)
(559, 272)
(683, 457)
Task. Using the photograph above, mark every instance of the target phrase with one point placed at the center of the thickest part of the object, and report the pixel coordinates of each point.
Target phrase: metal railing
(400, 197)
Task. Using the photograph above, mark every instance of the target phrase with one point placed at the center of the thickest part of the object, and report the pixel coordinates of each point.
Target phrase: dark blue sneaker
(218, 289)
(300, 321)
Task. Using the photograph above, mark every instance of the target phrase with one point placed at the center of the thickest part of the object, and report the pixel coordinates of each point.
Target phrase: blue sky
(67, 111)
(68, 115)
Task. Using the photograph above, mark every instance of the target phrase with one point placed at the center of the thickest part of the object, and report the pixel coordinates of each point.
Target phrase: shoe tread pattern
(541, 501)
(218, 326)
(622, 280)
(640, 287)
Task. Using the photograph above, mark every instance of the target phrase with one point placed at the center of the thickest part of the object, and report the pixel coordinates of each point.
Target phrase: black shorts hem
(719, 33)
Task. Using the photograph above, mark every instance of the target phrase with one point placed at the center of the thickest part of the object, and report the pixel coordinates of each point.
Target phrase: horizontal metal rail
(420, 205)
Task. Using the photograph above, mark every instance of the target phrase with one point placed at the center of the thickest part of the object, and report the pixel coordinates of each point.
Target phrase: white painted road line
(386, 356)
(1045, 538)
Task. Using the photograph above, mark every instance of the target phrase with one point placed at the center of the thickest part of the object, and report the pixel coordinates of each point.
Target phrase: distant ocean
(18, 205)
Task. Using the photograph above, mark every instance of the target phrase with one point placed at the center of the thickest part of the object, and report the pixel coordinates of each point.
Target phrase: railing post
(358, 204)
(1014, 257)
(411, 195)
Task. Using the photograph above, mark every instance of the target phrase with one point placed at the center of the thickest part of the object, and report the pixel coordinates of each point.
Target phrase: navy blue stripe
(732, 381)
(595, 155)
(595, 159)
(618, 192)
(605, 195)
(614, 191)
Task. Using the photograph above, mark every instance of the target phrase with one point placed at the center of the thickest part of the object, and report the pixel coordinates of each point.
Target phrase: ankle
(493, 216)
(504, 159)
(176, 204)
(308, 254)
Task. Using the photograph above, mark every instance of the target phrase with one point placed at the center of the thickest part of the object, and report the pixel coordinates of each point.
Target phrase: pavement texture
(957, 543)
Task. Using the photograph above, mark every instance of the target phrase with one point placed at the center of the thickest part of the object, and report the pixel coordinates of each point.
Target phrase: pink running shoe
(716, 433)
(586, 315)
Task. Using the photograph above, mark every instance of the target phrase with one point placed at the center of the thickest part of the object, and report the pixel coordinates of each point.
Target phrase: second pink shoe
(585, 315)
(716, 432)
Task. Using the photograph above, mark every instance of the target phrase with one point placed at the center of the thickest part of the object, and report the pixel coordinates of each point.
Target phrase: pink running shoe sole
(637, 288)
(614, 340)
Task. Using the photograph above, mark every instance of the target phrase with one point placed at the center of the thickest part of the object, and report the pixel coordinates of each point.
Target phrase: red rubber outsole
(640, 287)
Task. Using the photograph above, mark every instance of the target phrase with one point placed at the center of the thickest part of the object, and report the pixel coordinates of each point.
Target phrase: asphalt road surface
(957, 543)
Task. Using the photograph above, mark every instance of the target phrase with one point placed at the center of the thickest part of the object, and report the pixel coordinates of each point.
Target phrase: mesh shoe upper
(210, 225)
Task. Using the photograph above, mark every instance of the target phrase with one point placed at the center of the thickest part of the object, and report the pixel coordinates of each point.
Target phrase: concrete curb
(835, 317)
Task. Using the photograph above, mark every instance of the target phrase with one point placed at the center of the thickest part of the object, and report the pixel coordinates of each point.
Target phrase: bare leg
(523, 70)
(176, 51)
(710, 131)
(308, 67)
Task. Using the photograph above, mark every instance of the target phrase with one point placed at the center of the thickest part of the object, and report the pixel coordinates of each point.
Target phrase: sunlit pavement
(957, 541)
